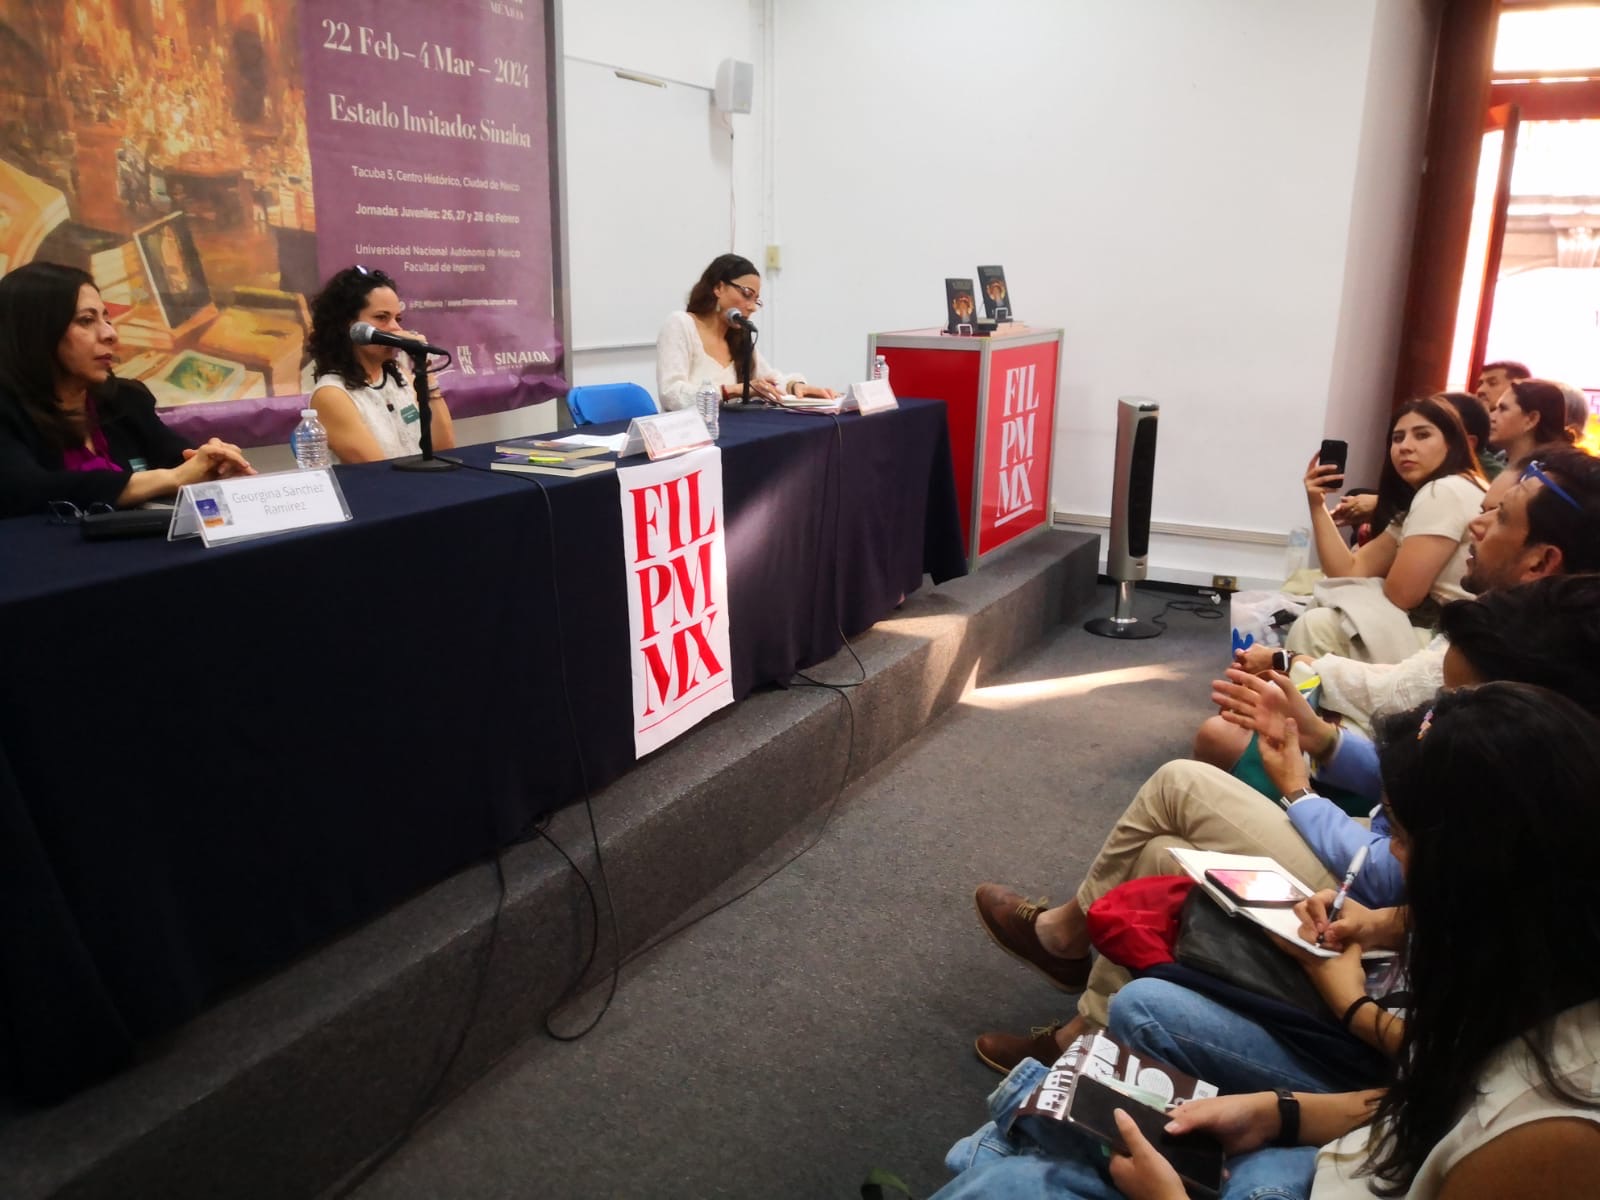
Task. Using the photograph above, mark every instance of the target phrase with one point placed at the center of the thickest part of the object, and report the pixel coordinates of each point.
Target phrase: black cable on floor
(1203, 609)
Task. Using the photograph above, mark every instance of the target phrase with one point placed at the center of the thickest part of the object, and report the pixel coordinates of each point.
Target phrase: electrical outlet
(1225, 583)
(774, 258)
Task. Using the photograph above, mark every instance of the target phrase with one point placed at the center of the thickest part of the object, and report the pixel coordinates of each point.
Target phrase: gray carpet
(822, 1025)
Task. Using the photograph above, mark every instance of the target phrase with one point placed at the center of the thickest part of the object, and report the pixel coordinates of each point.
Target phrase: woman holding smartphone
(1429, 490)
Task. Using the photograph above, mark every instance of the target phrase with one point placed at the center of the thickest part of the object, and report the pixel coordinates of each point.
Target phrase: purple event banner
(428, 129)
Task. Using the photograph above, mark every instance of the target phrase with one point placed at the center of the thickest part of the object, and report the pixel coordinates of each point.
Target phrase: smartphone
(1196, 1157)
(1334, 453)
(1257, 889)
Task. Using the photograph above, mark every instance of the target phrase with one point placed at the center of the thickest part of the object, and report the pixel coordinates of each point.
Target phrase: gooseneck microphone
(363, 334)
(735, 316)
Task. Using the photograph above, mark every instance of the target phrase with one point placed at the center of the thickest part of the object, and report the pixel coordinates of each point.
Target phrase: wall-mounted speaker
(1128, 548)
(736, 86)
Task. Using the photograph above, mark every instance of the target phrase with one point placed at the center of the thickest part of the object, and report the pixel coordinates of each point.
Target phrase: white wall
(1383, 205)
(1213, 200)
(683, 41)
(1175, 184)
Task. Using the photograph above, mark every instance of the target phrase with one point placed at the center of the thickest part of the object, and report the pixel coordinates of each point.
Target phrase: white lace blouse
(682, 365)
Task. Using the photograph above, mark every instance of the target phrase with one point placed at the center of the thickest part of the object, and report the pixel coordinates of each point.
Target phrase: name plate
(253, 506)
(662, 435)
(872, 396)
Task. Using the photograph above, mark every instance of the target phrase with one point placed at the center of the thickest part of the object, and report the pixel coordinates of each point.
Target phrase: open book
(1281, 921)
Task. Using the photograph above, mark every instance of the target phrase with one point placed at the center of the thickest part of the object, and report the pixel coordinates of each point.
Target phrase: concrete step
(287, 1087)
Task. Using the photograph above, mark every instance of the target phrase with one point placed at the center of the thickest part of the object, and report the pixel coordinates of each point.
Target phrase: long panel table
(212, 760)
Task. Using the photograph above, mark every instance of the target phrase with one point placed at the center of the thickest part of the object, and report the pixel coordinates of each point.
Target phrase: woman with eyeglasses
(364, 396)
(1528, 414)
(1381, 601)
(704, 345)
(73, 435)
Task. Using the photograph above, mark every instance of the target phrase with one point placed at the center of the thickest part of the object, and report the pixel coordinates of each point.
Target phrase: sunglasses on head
(1535, 470)
(379, 278)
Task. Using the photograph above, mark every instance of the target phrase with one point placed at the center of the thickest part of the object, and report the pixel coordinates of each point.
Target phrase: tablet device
(1256, 889)
(1196, 1157)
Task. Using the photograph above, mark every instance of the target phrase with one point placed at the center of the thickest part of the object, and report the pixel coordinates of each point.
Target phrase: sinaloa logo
(1016, 442)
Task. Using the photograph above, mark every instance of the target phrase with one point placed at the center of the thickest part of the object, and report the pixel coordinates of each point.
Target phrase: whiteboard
(649, 176)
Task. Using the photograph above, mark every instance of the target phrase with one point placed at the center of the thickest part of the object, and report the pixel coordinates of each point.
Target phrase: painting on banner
(211, 162)
(672, 537)
(1018, 436)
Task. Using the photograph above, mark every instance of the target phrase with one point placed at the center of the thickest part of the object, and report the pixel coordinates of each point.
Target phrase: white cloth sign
(677, 569)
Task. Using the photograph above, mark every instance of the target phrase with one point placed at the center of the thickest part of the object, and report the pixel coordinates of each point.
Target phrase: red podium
(1000, 396)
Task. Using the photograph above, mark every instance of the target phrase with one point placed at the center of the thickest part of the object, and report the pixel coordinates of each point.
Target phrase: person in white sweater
(703, 345)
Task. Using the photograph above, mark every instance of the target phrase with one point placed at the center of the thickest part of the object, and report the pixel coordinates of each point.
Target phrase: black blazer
(31, 474)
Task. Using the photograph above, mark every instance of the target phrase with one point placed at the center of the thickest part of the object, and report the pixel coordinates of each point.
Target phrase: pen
(1356, 863)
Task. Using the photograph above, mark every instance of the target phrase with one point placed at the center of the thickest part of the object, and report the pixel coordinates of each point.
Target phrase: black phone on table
(1196, 1157)
(1256, 889)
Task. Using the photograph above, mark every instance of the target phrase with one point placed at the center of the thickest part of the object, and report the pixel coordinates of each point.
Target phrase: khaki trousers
(1190, 805)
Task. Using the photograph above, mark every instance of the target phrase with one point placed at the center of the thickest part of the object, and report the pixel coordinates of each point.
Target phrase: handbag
(1243, 954)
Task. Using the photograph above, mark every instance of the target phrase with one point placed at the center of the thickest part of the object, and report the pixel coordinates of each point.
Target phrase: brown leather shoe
(1003, 1051)
(1009, 918)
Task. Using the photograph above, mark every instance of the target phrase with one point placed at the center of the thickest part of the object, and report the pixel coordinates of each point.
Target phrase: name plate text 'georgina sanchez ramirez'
(252, 506)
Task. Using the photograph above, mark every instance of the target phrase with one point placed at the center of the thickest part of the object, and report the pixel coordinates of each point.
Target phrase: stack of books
(548, 456)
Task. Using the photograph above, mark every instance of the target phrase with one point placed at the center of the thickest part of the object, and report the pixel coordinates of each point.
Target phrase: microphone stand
(749, 360)
(426, 460)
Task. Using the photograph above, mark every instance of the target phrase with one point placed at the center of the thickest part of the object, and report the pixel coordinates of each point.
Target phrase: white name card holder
(252, 506)
(662, 435)
(872, 396)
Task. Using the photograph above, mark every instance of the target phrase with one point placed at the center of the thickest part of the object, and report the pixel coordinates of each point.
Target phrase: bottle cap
(308, 412)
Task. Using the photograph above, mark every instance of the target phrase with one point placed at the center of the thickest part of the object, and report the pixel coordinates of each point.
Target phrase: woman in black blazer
(69, 428)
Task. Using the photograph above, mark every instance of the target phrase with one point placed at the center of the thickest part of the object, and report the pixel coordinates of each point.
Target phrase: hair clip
(1427, 721)
(362, 269)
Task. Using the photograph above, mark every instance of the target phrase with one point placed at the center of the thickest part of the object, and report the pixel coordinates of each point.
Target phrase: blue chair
(609, 402)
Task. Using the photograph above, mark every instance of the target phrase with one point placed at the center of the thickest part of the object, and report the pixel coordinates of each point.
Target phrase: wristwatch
(1299, 793)
(1282, 660)
(1288, 1118)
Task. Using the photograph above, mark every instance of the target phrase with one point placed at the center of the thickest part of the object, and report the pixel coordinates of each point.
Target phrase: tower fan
(1128, 551)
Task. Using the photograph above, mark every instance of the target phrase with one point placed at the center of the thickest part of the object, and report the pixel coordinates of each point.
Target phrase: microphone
(363, 334)
(735, 316)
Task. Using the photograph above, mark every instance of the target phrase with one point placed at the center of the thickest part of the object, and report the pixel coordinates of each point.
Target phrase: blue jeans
(1032, 1158)
(1212, 1042)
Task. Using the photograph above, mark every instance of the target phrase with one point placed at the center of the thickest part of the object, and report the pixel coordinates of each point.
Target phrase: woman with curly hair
(364, 397)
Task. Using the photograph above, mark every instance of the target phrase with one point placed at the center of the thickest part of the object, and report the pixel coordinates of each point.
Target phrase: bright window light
(1558, 39)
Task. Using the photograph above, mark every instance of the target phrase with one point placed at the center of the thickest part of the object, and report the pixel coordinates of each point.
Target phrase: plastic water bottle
(1298, 554)
(309, 441)
(880, 368)
(709, 401)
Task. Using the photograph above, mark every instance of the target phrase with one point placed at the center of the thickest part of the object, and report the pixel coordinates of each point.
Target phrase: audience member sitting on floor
(1529, 415)
(1547, 633)
(1379, 602)
(1359, 691)
(1506, 550)
(1496, 377)
(1355, 510)
(1543, 632)
(1482, 1089)
(1578, 413)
